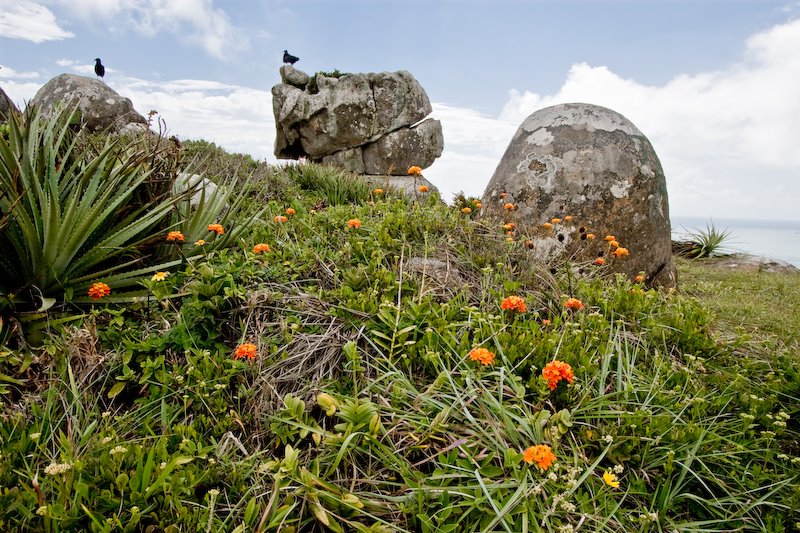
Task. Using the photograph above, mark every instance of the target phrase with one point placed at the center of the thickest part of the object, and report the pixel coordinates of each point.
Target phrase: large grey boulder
(592, 165)
(346, 120)
(100, 107)
(6, 106)
(294, 77)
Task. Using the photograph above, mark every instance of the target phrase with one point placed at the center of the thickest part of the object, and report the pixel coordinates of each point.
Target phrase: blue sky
(714, 84)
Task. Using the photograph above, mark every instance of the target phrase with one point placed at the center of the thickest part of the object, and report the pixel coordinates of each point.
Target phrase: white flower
(608, 439)
(42, 511)
(105, 440)
(35, 436)
(618, 469)
(57, 468)
(118, 449)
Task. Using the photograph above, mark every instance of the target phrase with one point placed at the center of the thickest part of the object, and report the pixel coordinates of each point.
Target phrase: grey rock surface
(294, 77)
(340, 120)
(408, 185)
(101, 108)
(593, 164)
(6, 106)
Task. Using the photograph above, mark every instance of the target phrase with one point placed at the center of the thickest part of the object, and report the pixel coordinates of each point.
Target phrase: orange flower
(414, 171)
(568, 218)
(574, 304)
(556, 220)
(613, 244)
(290, 211)
(477, 204)
(281, 219)
(621, 252)
(217, 228)
(484, 356)
(175, 236)
(260, 248)
(508, 206)
(555, 371)
(541, 454)
(98, 290)
(546, 322)
(599, 261)
(590, 236)
(639, 278)
(547, 225)
(378, 191)
(423, 188)
(609, 238)
(353, 223)
(466, 210)
(246, 350)
(514, 303)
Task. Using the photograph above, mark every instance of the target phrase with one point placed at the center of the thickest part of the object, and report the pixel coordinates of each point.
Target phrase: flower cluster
(216, 228)
(354, 223)
(260, 248)
(423, 188)
(573, 304)
(514, 303)
(281, 219)
(482, 355)
(159, 276)
(414, 170)
(246, 350)
(541, 454)
(175, 236)
(54, 469)
(98, 290)
(555, 371)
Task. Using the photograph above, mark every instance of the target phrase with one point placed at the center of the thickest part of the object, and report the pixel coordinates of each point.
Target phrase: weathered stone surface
(351, 112)
(293, 76)
(591, 163)
(200, 186)
(396, 151)
(408, 185)
(6, 106)
(101, 107)
(351, 160)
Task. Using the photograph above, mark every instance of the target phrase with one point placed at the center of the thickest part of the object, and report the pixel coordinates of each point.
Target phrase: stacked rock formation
(100, 107)
(591, 169)
(371, 124)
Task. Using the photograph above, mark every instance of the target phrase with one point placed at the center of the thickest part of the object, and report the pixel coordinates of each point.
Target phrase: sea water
(768, 238)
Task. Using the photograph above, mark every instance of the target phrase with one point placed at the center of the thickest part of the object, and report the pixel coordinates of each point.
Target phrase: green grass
(363, 410)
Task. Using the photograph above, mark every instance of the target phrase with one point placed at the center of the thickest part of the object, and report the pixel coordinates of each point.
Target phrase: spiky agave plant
(72, 212)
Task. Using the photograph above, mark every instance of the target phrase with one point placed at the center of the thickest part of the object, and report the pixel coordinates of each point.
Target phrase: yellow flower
(378, 191)
(611, 479)
(466, 210)
(159, 276)
(414, 171)
(556, 220)
(568, 218)
(199, 242)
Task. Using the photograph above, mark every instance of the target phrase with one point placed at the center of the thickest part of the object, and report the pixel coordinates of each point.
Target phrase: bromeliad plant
(71, 212)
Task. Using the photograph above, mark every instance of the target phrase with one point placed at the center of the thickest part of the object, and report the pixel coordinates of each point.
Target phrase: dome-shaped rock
(593, 166)
(100, 106)
(6, 106)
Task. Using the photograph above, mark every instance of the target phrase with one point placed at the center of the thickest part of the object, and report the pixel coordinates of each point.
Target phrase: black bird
(99, 69)
(289, 58)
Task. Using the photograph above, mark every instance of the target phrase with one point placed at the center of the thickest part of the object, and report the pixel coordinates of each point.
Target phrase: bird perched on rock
(289, 58)
(99, 69)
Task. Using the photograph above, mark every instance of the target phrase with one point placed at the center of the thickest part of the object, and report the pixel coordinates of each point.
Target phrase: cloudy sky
(714, 84)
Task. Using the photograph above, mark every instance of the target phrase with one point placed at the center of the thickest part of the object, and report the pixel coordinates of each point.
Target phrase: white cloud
(237, 118)
(197, 22)
(10, 73)
(29, 21)
(727, 139)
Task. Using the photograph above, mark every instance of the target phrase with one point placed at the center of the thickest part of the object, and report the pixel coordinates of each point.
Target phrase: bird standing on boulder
(99, 69)
(289, 58)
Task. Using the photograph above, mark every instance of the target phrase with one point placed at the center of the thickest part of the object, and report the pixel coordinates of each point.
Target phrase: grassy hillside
(335, 357)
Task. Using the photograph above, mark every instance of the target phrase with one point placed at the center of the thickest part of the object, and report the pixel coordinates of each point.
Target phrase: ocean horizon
(775, 239)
